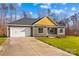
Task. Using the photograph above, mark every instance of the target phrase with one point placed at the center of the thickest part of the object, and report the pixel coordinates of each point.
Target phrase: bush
(3, 36)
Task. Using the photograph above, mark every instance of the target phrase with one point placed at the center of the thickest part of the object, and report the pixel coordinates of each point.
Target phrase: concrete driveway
(30, 46)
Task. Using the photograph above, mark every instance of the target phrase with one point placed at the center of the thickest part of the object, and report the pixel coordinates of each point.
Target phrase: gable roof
(45, 21)
(29, 21)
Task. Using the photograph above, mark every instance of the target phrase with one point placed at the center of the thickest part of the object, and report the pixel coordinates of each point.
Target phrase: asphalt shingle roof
(24, 21)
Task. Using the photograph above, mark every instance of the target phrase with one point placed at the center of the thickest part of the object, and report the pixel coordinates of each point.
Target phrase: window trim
(61, 30)
(40, 30)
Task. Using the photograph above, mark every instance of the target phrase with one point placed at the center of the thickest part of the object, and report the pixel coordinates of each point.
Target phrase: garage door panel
(19, 31)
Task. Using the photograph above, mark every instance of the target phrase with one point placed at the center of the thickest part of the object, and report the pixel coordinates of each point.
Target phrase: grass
(2, 39)
(69, 43)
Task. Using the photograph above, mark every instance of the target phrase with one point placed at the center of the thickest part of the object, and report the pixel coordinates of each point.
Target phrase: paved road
(30, 46)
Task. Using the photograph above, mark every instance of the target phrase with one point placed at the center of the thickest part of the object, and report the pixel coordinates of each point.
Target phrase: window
(40, 30)
(61, 30)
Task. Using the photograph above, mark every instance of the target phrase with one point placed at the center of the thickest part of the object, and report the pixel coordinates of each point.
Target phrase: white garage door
(19, 31)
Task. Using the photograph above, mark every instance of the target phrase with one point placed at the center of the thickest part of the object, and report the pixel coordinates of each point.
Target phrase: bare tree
(24, 14)
(74, 19)
(67, 25)
(4, 9)
(39, 15)
(15, 13)
(0, 15)
(12, 10)
(49, 12)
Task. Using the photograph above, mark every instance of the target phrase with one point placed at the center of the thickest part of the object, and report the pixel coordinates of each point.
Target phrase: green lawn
(2, 39)
(69, 43)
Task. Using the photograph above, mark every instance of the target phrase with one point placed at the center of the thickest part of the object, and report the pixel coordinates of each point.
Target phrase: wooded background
(61, 18)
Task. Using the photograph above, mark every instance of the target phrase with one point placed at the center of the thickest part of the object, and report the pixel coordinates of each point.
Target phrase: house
(35, 27)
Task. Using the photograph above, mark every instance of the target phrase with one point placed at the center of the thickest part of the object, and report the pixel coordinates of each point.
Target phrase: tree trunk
(11, 16)
(15, 15)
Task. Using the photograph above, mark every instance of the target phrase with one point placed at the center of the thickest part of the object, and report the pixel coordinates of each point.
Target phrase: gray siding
(58, 32)
(36, 32)
(45, 32)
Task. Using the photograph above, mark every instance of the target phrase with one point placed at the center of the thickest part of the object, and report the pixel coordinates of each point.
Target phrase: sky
(35, 8)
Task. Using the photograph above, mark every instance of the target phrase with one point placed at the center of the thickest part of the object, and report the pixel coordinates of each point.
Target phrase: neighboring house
(35, 27)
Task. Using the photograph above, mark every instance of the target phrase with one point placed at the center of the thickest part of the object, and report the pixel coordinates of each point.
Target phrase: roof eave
(17, 25)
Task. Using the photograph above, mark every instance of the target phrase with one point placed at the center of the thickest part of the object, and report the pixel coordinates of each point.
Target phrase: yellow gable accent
(45, 21)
